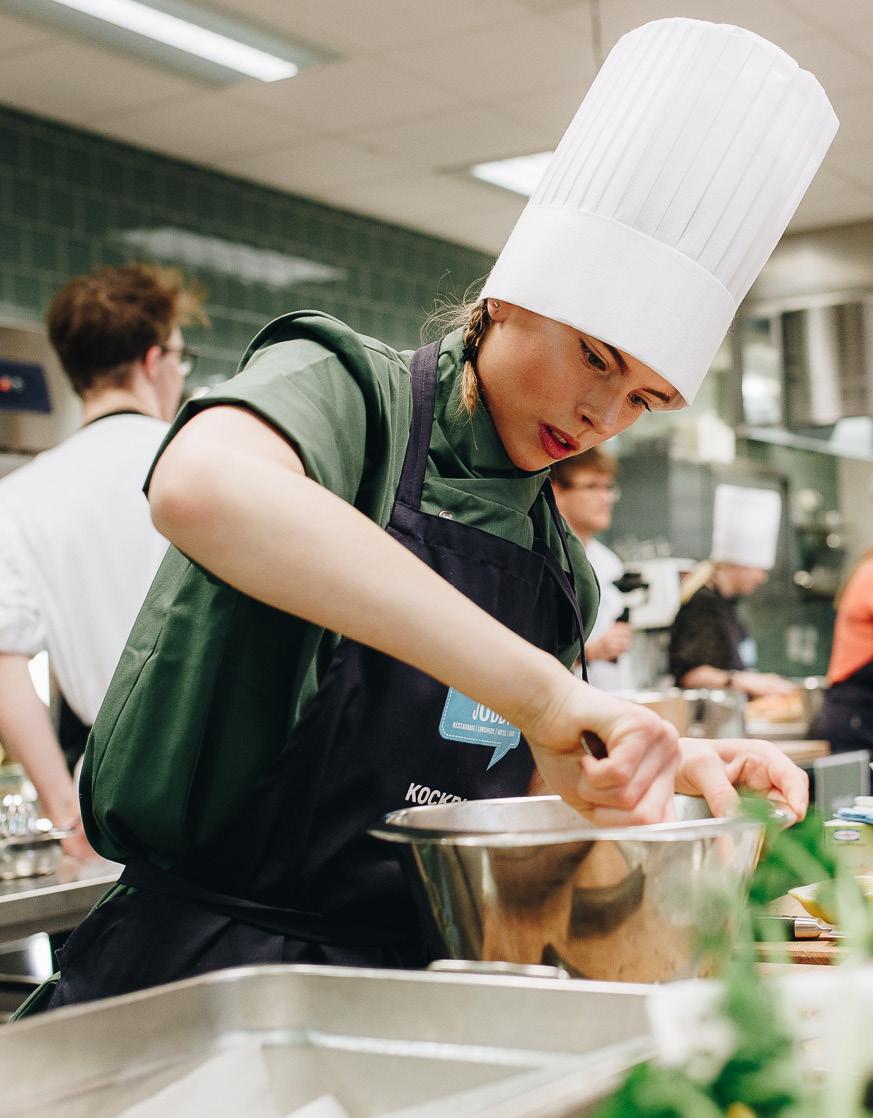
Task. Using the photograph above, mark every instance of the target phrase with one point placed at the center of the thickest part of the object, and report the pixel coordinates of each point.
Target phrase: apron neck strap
(423, 375)
(567, 579)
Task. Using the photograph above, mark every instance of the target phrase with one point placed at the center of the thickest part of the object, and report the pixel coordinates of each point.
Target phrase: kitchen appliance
(529, 880)
(662, 577)
(38, 408)
(651, 592)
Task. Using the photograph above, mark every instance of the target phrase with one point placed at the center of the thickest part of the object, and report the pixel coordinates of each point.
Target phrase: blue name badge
(468, 721)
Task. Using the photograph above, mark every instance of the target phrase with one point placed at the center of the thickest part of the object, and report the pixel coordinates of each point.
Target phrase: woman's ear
(496, 310)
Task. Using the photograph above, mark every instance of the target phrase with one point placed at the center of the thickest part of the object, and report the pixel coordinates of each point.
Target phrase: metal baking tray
(377, 1040)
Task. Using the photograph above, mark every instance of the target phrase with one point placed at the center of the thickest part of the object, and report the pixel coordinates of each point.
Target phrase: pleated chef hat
(668, 192)
(745, 526)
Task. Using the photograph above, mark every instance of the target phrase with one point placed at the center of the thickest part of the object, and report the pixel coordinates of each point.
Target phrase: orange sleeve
(853, 631)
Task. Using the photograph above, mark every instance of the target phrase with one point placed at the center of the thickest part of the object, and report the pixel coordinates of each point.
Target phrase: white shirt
(608, 567)
(78, 552)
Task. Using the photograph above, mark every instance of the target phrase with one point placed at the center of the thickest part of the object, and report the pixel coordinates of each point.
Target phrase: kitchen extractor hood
(827, 355)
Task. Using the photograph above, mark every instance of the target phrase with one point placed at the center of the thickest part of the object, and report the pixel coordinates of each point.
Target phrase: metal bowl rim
(688, 829)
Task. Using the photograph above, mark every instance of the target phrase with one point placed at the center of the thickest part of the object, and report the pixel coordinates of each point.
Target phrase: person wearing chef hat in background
(270, 742)
(586, 491)
(709, 644)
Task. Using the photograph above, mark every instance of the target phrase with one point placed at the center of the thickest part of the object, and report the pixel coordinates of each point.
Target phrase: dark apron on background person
(72, 731)
(378, 735)
(72, 734)
(847, 712)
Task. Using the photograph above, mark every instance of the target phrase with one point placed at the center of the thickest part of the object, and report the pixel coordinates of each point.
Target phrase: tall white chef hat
(670, 189)
(745, 526)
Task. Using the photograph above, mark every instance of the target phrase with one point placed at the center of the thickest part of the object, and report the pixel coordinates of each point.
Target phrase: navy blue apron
(312, 885)
(848, 712)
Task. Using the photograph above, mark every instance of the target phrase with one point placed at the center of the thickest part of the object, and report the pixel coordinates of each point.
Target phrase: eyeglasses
(187, 357)
(607, 488)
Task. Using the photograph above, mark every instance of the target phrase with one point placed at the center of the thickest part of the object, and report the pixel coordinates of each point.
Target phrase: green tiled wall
(69, 198)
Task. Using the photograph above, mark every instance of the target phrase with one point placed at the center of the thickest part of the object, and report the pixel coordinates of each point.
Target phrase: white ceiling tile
(359, 93)
(203, 127)
(20, 34)
(408, 198)
(770, 18)
(357, 26)
(550, 111)
(858, 39)
(310, 167)
(834, 14)
(830, 199)
(838, 209)
(454, 140)
(854, 136)
(856, 166)
(839, 68)
(520, 57)
(74, 81)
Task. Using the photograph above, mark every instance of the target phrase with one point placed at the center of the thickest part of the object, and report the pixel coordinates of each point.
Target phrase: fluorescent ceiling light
(186, 36)
(243, 261)
(520, 174)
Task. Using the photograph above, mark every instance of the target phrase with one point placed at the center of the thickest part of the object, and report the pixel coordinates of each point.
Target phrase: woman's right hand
(634, 783)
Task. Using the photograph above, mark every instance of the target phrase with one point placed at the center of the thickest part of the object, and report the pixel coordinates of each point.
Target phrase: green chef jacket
(212, 681)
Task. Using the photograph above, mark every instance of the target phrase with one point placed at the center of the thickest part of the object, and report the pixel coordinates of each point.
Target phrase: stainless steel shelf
(54, 902)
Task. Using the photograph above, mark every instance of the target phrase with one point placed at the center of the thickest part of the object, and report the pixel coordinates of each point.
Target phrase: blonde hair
(472, 315)
(696, 580)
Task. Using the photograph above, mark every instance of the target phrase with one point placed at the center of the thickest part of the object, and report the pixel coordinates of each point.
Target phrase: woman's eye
(640, 402)
(594, 359)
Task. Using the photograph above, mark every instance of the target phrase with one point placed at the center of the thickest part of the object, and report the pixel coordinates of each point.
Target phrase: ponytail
(696, 580)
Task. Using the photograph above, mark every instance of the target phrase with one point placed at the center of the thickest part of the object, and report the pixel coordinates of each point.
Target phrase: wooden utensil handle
(592, 744)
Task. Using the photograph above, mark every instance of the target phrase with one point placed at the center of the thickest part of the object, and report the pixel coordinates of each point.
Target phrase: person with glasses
(372, 600)
(586, 492)
(78, 549)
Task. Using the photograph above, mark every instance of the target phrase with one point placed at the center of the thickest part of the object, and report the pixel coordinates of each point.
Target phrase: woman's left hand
(714, 769)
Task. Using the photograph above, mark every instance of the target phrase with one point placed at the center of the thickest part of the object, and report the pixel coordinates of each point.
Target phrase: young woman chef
(338, 487)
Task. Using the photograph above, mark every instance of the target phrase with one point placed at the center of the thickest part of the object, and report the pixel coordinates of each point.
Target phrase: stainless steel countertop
(54, 902)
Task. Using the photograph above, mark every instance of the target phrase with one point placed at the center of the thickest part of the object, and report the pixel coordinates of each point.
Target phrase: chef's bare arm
(29, 738)
(261, 525)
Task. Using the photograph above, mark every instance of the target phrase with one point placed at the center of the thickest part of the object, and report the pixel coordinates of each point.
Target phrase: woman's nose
(603, 413)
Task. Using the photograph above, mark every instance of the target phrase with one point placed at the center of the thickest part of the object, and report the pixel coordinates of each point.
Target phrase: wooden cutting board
(818, 952)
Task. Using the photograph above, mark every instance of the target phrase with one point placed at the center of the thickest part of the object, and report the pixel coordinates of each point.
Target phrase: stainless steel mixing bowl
(530, 881)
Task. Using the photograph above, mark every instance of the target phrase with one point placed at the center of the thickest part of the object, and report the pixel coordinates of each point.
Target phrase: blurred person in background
(586, 492)
(848, 702)
(78, 550)
(710, 647)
